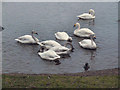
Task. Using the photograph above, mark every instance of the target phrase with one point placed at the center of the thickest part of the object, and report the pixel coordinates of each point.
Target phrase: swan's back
(51, 43)
(59, 48)
(86, 16)
(83, 32)
(87, 43)
(27, 39)
(61, 35)
(49, 55)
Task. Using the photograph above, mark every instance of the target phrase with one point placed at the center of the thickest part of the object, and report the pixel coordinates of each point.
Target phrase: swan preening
(28, 39)
(59, 49)
(63, 36)
(87, 16)
(54, 52)
(83, 32)
(88, 43)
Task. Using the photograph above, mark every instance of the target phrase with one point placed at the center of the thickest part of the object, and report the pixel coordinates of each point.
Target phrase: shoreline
(91, 79)
(113, 71)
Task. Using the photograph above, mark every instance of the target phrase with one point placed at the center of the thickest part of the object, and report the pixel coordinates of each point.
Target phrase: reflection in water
(90, 22)
(92, 54)
(92, 59)
(57, 62)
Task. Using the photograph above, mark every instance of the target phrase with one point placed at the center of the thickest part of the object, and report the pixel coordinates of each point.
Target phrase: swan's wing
(84, 32)
(49, 55)
(86, 43)
(25, 37)
(50, 43)
(59, 48)
(61, 35)
(86, 16)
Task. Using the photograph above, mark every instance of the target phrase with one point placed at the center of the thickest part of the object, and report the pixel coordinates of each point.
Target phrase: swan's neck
(78, 26)
(91, 40)
(92, 13)
(71, 49)
(33, 37)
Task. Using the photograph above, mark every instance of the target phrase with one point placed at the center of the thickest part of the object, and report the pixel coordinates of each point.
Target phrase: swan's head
(33, 32)
(93, 36)
(69, 39)
(42, 49)
(92, 11)
(76, 24)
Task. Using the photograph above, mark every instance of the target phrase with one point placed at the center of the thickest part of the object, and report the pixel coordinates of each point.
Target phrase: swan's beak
(36, 33)
(74, 25)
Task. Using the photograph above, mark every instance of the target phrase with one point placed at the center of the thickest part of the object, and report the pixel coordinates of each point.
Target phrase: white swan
(49, 55)
(63, 36)
(88, 43)
(28, 39)
(49, 43)
(83, 32)
(90, 15)
(61, 50)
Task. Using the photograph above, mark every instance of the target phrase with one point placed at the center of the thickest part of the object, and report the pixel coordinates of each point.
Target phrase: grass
(59, 81)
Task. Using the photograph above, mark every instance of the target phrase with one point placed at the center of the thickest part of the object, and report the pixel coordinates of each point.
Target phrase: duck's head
(33, 32)
(86, 66)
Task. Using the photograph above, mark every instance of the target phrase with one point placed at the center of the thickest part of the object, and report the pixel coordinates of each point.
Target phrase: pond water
(46, 19)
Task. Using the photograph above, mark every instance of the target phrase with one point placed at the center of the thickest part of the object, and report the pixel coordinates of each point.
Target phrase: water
(46, 19)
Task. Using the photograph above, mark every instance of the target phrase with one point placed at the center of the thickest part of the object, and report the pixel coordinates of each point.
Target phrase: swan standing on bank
(88, 43)
(49, 55)
(28, 39)
(63, 36)
(49, 44)
(83, 32)
(87, 16)
(62, 50)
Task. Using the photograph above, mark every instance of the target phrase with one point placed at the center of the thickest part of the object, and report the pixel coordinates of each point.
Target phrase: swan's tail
(17, 40)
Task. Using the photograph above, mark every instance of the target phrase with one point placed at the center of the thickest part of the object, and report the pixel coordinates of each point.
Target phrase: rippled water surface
(46, 19)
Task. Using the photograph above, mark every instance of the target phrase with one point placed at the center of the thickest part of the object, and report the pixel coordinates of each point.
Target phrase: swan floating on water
(88, 43)
(49, 55)
(87, 16)
(28, 39)
(83, 32)
(63, 36)
(62, 50)
(49, 44)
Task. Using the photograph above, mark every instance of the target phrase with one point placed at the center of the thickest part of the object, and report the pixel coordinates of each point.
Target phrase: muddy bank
(87, 73)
